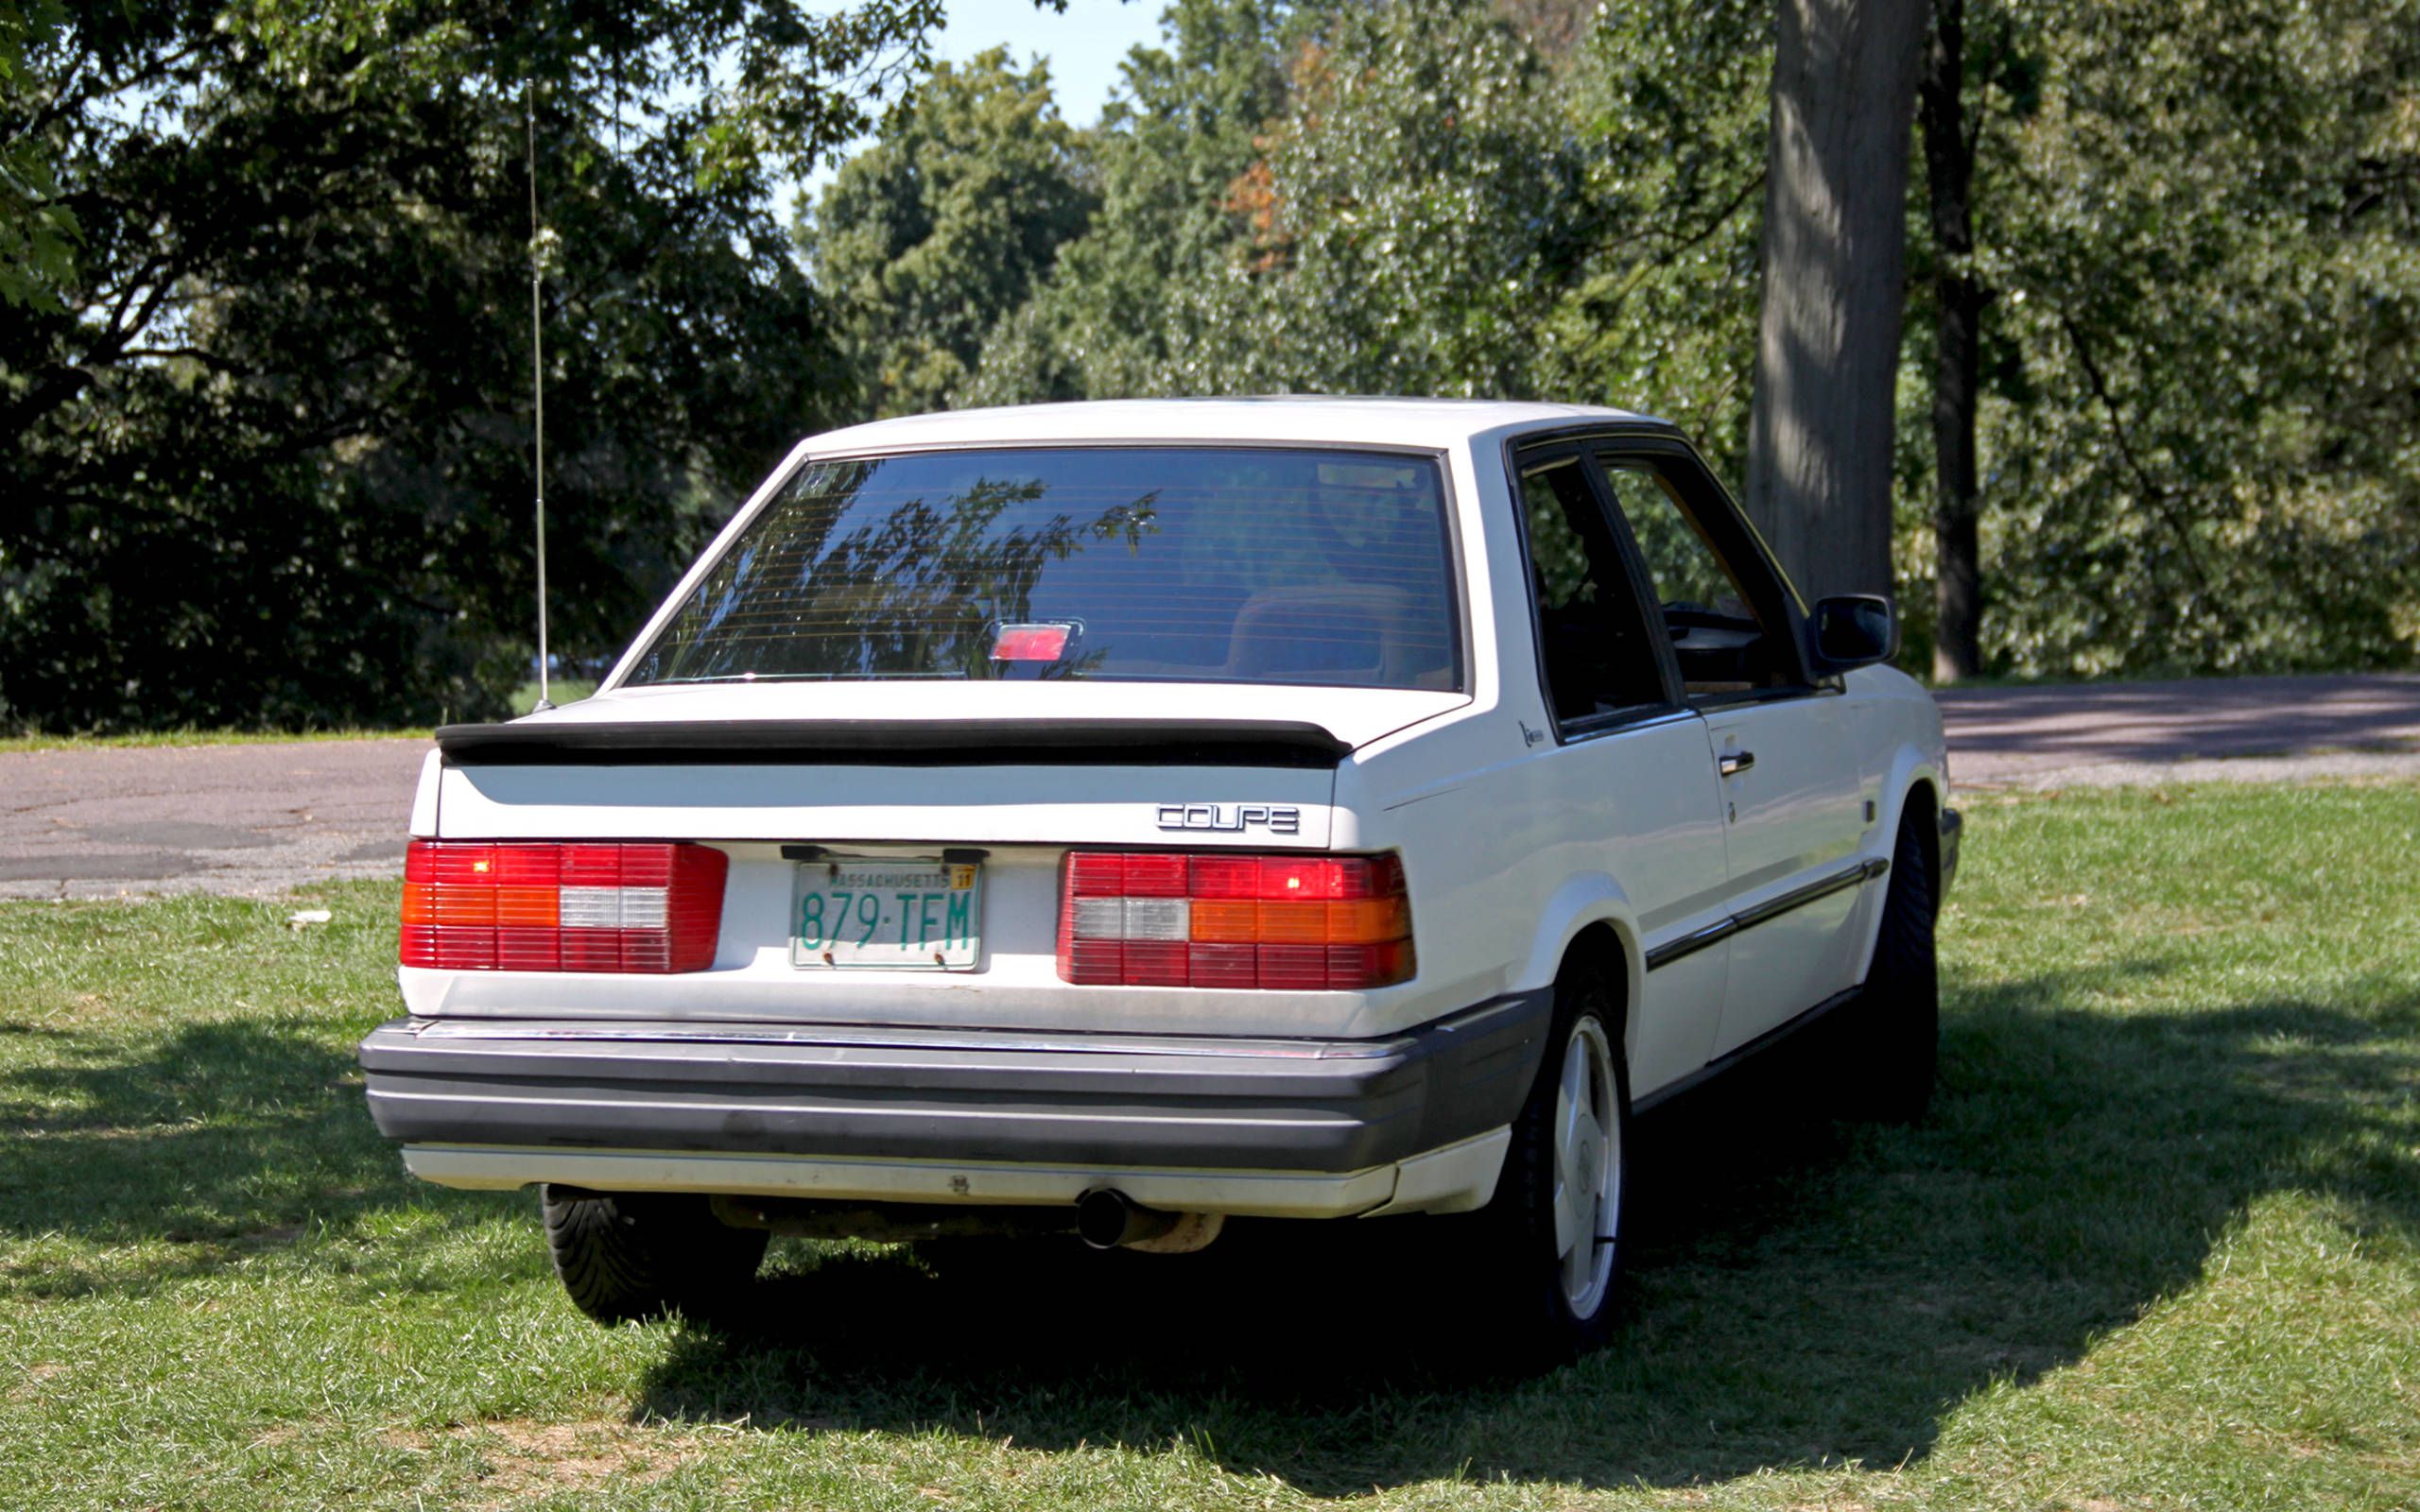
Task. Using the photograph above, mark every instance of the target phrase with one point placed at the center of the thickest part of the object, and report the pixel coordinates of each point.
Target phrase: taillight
(1304, 923)
(472, 906)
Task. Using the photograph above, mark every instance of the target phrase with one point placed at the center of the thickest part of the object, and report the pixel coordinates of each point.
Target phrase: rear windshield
(1217, 564)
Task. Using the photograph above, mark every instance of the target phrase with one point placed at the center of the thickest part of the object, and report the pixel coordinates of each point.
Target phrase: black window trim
(1737, 543)
(1523, 455)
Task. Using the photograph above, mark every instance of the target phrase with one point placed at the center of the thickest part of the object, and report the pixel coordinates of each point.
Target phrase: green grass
(559, 691)
(526, 698)
(2159, 1247)
(198, 737)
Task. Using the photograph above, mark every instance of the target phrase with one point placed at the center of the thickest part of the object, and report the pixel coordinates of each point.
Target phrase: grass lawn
(196, 737)
(2159, 1247)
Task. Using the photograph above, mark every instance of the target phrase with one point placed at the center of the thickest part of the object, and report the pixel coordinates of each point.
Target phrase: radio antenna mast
(537, 382)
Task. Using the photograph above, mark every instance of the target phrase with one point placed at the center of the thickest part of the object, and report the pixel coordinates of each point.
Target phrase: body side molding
(1771, 908)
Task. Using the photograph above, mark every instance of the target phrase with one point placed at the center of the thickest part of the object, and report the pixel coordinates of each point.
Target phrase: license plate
(903, 915)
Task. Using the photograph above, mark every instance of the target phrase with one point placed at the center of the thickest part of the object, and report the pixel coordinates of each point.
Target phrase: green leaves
(269, 461)
(38, 233)
(927, 238)
(1406, 225)
(2207, 236)
(264, 279)
(2200, 226)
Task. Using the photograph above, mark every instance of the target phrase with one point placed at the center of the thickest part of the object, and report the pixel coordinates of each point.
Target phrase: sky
(1085, 46)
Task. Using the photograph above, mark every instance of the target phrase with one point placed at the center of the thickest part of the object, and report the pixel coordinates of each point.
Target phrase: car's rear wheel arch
(1601, 947)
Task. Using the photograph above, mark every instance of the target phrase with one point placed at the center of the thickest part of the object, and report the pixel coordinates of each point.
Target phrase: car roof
(1280, 417)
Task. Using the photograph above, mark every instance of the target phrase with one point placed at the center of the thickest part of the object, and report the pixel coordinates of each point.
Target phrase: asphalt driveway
(112, 820)
(2209, 730)
(260, 818)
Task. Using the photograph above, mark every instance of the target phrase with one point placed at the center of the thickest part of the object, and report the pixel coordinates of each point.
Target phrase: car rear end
(965, 836)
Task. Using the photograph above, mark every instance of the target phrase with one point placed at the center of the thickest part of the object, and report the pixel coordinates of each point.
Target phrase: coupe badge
(1231, 819)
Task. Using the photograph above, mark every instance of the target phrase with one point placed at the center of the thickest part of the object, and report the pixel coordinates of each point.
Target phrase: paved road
(261, 819)
(2235, 729)
(217, 819)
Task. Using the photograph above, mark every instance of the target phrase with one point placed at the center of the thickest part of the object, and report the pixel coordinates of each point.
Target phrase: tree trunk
(1827, 349)
(1958, 304)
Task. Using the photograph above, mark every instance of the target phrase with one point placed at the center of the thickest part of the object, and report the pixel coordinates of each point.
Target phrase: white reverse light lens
(1100, 917)
(643, 907)
(1159, 918)
(595, 909)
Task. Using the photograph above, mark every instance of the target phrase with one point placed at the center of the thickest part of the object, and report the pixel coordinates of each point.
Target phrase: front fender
(1910, 769)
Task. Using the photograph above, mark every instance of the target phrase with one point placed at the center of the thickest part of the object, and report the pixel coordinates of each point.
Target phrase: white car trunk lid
(908, 762)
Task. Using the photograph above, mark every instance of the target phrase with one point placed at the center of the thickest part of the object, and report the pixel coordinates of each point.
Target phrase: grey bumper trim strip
(1666, 953)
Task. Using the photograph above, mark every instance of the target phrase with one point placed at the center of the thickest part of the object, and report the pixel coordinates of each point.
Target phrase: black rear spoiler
(894, 743)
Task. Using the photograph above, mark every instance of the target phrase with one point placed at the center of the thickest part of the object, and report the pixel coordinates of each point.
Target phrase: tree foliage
(1416, 209)
(2193, 227)
(927, 238)
(265, 322)
(2205, 452)
(268, 459)
(1669, 96)
(1168, 157)
(37, 233)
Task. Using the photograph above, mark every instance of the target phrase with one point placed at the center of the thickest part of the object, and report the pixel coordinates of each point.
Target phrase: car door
(1784, 757)
(1630, 768)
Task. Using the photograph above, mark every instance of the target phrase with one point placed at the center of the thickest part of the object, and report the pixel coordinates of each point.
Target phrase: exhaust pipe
(1107, 1219)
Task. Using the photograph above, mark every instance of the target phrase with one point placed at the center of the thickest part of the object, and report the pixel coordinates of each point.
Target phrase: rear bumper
(1262, 1126)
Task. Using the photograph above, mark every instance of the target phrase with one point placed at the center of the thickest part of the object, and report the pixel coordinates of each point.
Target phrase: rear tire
(639, 1255)
(1547, 1245)
(1893, 1045)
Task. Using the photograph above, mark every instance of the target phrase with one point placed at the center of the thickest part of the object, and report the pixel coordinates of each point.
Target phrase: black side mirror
(1854, 630)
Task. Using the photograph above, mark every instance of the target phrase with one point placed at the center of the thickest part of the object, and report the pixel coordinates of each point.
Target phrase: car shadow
(222, 1137)
(1800, 1293)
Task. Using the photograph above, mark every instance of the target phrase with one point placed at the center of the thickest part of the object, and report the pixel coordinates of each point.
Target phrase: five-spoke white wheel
(1547, 1258)
(1587, 1167)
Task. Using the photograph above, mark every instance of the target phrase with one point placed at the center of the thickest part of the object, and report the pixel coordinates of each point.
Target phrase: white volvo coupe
(1107, 819)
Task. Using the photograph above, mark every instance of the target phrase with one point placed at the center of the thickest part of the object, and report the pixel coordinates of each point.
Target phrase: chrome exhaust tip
(1107, 1220)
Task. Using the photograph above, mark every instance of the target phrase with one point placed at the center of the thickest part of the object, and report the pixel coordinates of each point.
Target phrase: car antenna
(537, 381)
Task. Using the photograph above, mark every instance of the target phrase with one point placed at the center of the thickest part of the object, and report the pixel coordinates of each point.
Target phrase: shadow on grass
(221, 1138)
(1800, 1293)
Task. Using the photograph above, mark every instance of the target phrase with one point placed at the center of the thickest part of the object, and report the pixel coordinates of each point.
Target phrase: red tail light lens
(472, 906)
(1299, 923)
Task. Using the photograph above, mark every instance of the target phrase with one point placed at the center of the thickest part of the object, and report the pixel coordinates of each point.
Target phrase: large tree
(1415, 213)
(1819, 463)
(1348, 198)
(1958, 298)
(37, 233)
(268, 459)
(1669, 107)
(1183, 135)
(2200, 454)
(927, 238)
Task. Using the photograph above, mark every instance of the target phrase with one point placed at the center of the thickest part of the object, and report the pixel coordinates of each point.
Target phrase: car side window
(1593, 639)
(1727, 644)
